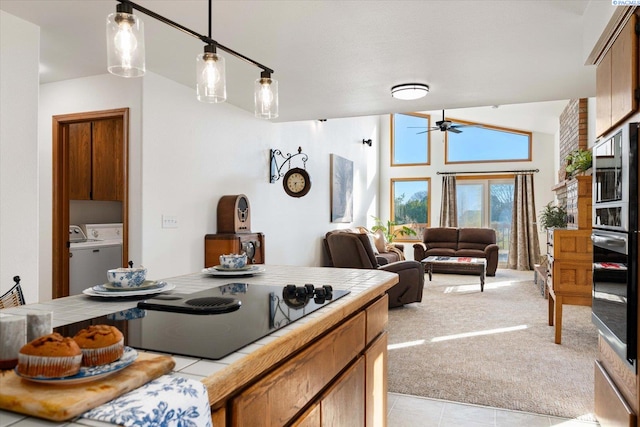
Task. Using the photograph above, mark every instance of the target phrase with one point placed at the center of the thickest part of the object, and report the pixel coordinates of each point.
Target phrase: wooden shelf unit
(569, 281)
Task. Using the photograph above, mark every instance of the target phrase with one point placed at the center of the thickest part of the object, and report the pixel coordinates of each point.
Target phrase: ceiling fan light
(125, 43)
(409, 91)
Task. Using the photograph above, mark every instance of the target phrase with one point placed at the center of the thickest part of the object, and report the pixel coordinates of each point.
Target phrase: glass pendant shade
(210, 76)
(266, 97)
(125, 44)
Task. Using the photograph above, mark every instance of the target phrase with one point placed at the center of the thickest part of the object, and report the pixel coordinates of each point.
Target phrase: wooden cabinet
(96, 165)
(617, 80)
(233, 243)
(569, 281)
(579, 203)
(339, 379)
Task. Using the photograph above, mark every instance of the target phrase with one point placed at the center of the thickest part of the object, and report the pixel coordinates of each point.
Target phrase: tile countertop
(225, 375)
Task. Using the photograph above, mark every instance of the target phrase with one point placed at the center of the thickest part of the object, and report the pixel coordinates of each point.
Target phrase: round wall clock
(296, 182)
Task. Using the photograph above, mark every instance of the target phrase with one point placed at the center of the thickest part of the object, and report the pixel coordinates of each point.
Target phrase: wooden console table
(569, 274)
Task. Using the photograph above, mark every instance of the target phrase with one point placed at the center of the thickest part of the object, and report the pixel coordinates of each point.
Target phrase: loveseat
(460, 242)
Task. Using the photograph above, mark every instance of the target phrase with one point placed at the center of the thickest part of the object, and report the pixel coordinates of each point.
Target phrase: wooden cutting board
(63, 402)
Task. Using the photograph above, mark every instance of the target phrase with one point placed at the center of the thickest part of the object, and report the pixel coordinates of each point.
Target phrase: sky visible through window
(409, 147)
(486, 144)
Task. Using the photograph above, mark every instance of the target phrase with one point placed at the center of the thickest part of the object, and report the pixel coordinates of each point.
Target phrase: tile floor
(413, 411)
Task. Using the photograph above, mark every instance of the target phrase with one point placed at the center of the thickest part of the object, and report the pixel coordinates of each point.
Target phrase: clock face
(297, 182)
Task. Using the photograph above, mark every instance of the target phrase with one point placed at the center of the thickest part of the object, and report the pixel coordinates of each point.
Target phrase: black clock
(296, 182)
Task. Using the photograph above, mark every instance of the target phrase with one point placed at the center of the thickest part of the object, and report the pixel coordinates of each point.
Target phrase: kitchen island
(329, 366)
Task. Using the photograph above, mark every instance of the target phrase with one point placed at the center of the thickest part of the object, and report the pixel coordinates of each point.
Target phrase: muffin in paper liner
(48, 366)
(102, 355)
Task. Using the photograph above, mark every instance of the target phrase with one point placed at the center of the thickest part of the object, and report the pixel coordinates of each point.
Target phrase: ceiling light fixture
(126, 58)
(409, 91)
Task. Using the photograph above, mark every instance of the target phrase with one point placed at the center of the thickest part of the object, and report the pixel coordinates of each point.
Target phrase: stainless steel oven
(614, 308)
(614, 172)
(614, 236)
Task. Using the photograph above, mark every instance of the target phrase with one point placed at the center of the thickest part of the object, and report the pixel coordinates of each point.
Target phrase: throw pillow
(372, 240)
(380, 243)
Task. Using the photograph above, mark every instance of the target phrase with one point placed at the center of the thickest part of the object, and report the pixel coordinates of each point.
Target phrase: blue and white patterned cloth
(168, 401)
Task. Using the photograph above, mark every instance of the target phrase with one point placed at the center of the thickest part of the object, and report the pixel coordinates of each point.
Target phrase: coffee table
(455, 264)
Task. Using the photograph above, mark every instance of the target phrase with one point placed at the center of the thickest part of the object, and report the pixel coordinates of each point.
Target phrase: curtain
(524, 248)
(448, 208)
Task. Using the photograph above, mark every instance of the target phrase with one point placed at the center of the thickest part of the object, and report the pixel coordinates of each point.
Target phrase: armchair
(351, 250)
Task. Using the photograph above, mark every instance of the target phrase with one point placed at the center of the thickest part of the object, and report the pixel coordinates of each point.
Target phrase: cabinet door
(344, 403)
(624, 60)
(603, 95)
(107, 160)
(79, 147)
(376, 382)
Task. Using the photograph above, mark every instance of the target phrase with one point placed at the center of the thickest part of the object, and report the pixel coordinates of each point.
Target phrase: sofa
(384, 253)
(354, 250)
(460, 242)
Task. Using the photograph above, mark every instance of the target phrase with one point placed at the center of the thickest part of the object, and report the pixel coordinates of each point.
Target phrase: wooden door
(62, 126)
(624, 54)
(376, 381)
(79, 173)
(603, 95)
(107, 164)
(344, 403)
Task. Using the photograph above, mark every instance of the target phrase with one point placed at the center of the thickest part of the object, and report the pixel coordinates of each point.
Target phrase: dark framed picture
(341, 189)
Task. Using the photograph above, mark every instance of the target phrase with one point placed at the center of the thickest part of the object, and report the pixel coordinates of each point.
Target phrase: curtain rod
(496, 172)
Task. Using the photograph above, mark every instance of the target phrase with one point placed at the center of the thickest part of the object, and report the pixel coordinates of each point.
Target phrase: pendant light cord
(210, 12)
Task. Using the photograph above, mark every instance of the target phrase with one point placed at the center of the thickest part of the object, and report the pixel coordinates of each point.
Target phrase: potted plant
(553, 216)
(390, 234)
(578, 161)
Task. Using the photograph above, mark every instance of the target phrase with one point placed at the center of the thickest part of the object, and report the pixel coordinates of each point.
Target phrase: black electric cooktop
(219, 321)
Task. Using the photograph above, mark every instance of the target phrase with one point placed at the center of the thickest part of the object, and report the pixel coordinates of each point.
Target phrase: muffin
(50, 356)
(100, 344)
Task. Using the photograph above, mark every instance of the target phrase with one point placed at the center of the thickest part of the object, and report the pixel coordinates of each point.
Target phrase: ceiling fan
(446, 125)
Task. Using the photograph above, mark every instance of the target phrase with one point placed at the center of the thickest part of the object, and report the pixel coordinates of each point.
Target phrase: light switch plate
(169, 221)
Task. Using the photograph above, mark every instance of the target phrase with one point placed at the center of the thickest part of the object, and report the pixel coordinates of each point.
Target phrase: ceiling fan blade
(424, 131)
(454, 130)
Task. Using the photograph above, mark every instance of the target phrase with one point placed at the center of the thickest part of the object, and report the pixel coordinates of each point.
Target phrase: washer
(90, 258)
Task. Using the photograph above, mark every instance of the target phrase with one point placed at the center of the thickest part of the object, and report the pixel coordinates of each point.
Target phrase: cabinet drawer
(280, 395)
(610, 407)
(377, 317)
(572, 278)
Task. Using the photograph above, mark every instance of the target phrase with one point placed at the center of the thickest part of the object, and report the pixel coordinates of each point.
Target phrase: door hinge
(637, 28)
(636, 94)
(68, 245)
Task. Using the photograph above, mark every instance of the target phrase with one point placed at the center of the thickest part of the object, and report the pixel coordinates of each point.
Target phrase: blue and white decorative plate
(255, 269)
(147, 284)
(89, 373)
(101, 291)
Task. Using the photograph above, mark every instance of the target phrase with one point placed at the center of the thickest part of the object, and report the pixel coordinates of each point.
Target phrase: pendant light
(125, 52)
(125, 43)
(210, 74)
(266, 96)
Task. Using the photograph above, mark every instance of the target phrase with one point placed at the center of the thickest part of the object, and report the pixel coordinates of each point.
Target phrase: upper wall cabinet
(96, 160)
(617, 80)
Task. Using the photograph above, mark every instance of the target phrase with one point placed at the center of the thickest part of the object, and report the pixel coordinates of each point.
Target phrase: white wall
(194, 153)
(544, 147)
(19, 50)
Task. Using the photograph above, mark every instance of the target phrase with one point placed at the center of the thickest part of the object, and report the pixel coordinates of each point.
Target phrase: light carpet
(493, 348)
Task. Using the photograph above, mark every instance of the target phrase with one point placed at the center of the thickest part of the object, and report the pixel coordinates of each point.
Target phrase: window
(410, 204)
(409, 139)
(487, 203)
(478, 143)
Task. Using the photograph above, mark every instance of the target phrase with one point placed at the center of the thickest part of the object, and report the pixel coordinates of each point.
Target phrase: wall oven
(614, 237)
